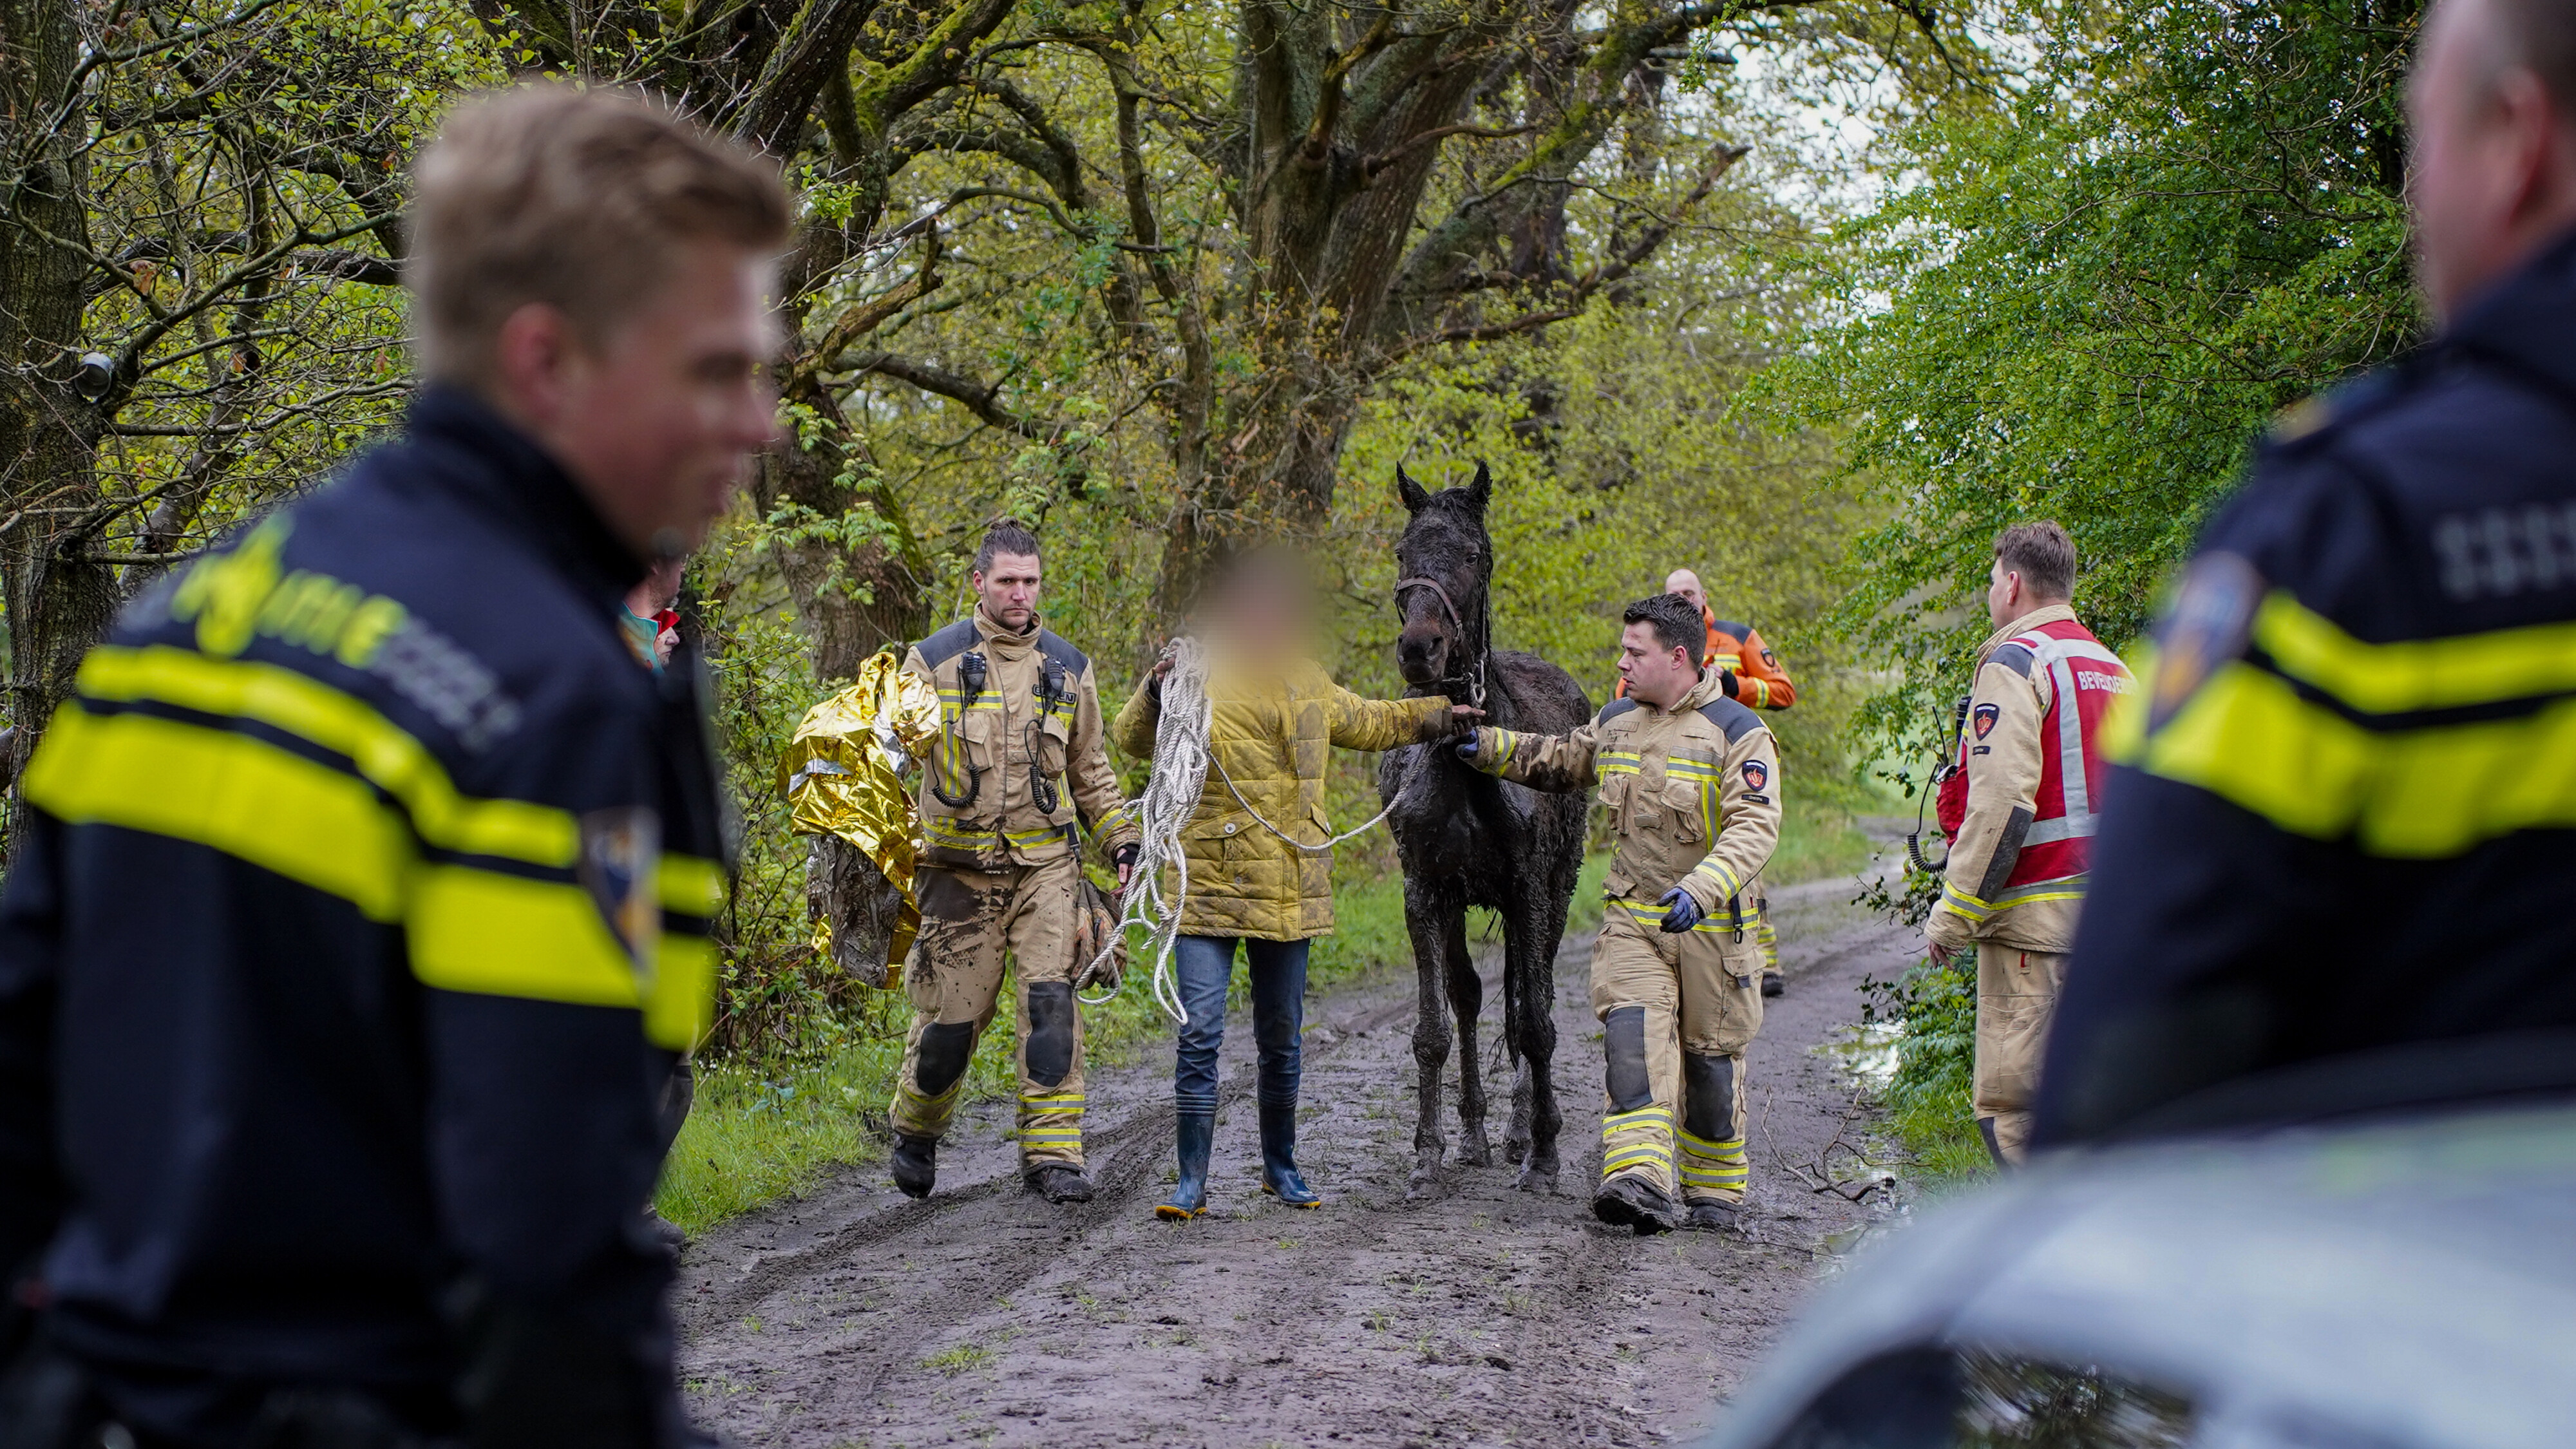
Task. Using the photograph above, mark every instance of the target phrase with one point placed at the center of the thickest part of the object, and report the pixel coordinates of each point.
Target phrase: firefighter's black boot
(916, 1163)
(1711, 1216)
(1633, 1202)
(1195, 1134)
(1059, 1182)
(1279, 1158)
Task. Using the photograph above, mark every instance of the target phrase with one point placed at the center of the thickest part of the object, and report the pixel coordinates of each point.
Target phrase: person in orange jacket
(1753, 677)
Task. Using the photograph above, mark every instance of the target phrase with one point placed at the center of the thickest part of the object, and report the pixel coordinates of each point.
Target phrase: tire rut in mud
(1478, 1315)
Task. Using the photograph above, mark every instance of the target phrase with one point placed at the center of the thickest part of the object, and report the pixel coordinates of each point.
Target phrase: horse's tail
(1512, 1024)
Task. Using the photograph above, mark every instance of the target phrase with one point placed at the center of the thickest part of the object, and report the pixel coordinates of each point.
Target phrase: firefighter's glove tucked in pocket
(1095, 924)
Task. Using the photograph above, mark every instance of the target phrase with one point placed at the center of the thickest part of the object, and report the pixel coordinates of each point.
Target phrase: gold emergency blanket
(840, 777)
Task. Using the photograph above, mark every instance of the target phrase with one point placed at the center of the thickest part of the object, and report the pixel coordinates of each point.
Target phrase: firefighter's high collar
(2046, 614)
(1700, 694)
(1001, 639)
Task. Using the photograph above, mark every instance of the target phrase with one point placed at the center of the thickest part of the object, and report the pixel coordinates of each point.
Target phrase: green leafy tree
(2095, 287)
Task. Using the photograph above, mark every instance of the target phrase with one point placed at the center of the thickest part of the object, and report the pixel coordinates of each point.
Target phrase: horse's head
(1443, 564)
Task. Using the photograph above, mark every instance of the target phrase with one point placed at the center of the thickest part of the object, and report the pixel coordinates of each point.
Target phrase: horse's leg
(1517, 926)
(1466, 999)
(1423, 912)
(1536, 1028)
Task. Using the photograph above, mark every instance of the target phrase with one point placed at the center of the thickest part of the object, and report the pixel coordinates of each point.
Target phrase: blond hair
(583, 200)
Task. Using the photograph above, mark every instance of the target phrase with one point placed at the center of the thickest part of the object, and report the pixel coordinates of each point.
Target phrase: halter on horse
(1484, 620)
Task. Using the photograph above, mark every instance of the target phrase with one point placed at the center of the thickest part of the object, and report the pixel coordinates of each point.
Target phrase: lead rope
(1171, 797)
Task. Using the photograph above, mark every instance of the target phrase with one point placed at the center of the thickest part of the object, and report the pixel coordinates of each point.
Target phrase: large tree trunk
(857, 594)
(58, 601)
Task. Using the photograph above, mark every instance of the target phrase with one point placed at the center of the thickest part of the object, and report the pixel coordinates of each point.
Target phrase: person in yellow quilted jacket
(1260, 861)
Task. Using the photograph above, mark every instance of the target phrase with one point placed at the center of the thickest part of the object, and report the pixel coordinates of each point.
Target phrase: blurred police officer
(362, 904)
(2336, 873)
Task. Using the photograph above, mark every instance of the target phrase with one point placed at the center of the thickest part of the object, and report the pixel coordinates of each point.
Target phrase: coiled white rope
(1171, 797)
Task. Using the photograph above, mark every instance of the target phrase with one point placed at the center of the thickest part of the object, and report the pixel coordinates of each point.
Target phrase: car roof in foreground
(2407, 1282)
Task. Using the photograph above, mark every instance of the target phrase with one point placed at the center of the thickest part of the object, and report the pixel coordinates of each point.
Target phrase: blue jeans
(1205, 965)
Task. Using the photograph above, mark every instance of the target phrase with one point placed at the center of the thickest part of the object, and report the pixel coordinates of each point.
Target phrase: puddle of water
(1866, 1052)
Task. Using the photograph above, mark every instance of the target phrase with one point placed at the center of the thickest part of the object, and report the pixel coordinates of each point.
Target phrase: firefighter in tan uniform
(1692, 784)
(1019, 774)
(2020, 806)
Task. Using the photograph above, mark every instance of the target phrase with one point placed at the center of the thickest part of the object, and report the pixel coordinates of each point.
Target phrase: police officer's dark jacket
(2336, 872)
(362, 905)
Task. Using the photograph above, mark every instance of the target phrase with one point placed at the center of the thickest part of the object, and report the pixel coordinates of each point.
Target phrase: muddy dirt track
(1479, 1315)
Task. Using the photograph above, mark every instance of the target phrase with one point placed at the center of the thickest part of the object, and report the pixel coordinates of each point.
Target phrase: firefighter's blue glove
(1681, 912)
(1467, 746)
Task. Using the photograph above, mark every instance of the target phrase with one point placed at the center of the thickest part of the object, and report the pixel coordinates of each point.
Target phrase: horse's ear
(1480, 489)
(1415, 500)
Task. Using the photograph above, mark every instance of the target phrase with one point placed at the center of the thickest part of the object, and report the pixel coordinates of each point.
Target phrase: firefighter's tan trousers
(1676, 1012)
(2016, 997)
(968, 920)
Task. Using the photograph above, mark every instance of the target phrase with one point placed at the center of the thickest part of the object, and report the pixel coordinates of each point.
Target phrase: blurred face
(2492, 177)
(1261, 614)
(1656, 675)
(657, 421)
(1686, 584)
(1010, 589)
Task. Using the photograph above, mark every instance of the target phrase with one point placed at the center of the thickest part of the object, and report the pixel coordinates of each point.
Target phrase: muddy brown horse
(1467, 839)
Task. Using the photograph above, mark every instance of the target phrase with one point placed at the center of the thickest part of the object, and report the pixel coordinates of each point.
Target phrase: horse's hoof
(1538, 1177)
(1426, 1174)
(1476, 1152)
(1516, 1149)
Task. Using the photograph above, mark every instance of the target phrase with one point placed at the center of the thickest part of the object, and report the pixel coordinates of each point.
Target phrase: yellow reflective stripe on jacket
(1721, 875)
(1715, 923)
(937, 830)
(505, 935)
(2415, 674)
(2248, 737)
(689, 884)
(1960, 903)
(680, 1004)
(310, 710)
(245, 797)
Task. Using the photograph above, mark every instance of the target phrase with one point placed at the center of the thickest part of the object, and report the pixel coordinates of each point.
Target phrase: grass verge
(769, 1126)
(1929, 1109)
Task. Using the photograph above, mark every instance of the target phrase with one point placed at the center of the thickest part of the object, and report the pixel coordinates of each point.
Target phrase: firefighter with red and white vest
(2020, 807)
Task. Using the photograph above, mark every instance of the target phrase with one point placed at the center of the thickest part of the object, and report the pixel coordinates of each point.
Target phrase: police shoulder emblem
(1756, 774)
(1985, 717)
(2206, 628)
(620, 851)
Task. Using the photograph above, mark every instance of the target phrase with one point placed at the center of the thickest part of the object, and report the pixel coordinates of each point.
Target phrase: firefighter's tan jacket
(2003, 777)
(1271, 735)
(1693, 794)
(982, 805)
